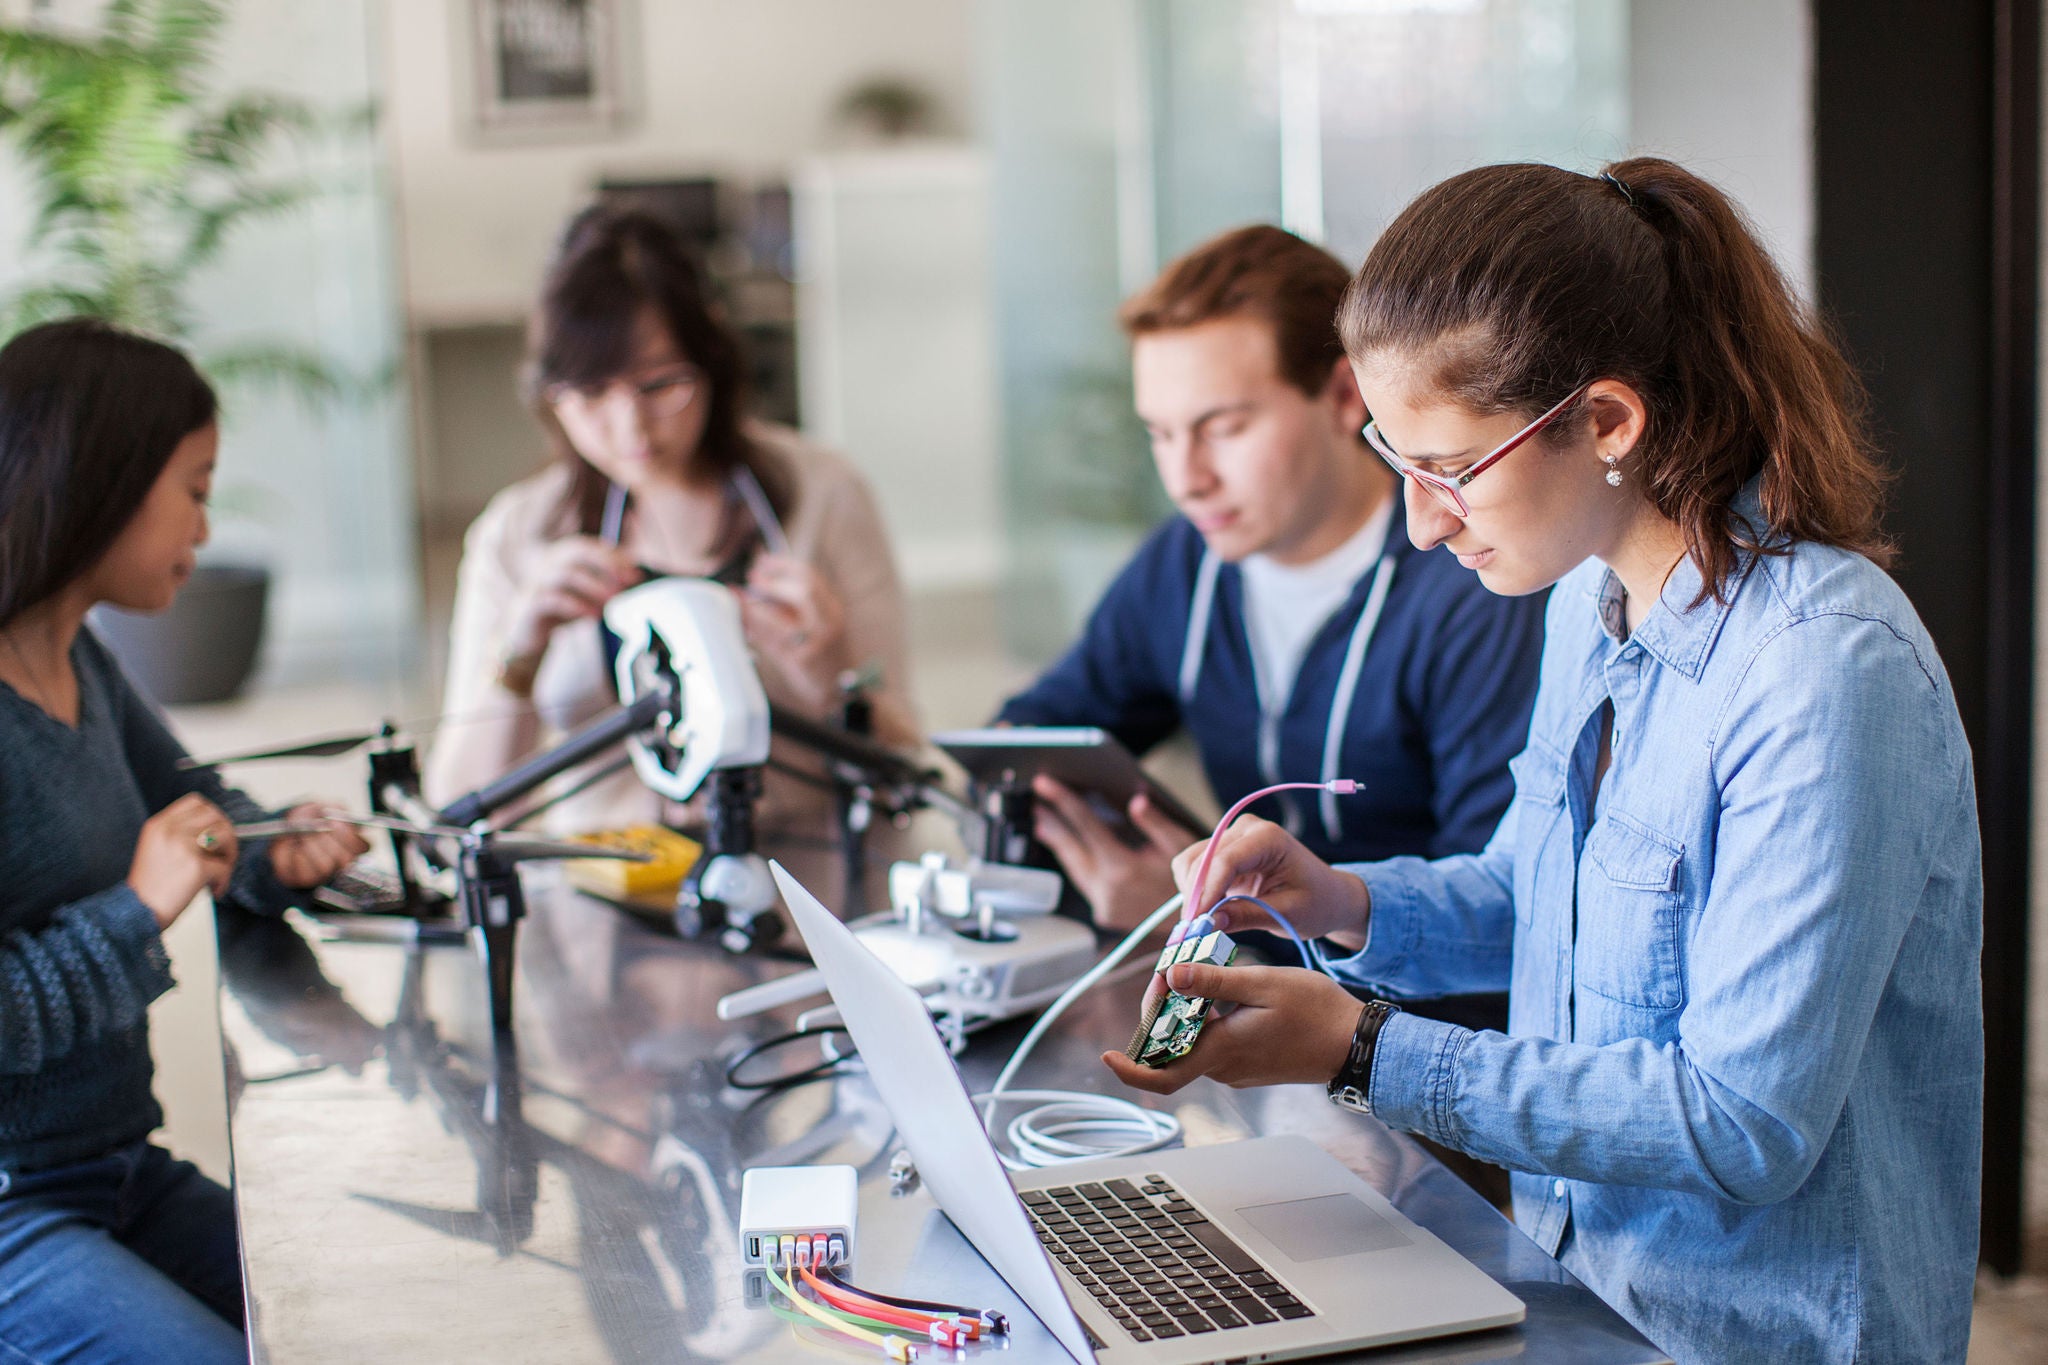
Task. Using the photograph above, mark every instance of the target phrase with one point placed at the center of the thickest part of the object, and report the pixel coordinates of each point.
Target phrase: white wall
(737, 87)
(1727, 89)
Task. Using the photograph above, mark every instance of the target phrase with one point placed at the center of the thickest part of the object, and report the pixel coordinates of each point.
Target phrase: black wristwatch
(1351, 1087)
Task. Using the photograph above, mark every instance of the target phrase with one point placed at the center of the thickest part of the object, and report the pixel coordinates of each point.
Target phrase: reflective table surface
(407, 1192)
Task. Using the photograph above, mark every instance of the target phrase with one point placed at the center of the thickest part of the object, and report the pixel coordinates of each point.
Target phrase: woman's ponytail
(1751, 372)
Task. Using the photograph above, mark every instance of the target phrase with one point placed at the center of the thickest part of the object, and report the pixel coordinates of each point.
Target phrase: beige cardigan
(485, 731)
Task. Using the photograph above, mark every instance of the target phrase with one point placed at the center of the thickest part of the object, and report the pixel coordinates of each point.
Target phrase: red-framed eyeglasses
(1448, 490)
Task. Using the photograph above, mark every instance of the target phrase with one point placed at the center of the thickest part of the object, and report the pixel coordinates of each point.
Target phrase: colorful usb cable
(896, 1347)
(879, 1320)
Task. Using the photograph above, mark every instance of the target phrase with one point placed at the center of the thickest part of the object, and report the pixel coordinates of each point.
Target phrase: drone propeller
(392, 822)
(520, 849)
(334, 746)
(523, 850)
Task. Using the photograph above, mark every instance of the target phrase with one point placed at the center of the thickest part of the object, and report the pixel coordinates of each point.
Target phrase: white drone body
(689, 628)
(979, 938)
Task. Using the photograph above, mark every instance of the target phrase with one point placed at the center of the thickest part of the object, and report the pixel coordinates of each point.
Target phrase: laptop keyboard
(363, 889)
(1154, 1261)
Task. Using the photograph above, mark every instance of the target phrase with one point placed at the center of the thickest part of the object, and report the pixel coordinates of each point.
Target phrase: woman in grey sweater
(110, 1249)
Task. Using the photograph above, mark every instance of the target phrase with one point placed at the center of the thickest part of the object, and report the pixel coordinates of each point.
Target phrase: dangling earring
(1613, 474)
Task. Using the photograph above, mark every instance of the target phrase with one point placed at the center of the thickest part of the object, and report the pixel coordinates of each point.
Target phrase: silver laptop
(1265, 1249)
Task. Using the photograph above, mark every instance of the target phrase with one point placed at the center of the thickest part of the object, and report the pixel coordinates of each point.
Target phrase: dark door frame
(1927, 242)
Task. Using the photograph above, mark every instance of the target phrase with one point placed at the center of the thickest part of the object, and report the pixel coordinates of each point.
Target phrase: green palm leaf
(233, 136)
(141, 173)
(181, 34)
(307, 376)
(45, 303)
(209, 224)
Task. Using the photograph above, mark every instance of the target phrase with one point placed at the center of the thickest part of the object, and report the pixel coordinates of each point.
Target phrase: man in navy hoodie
(1283, 618)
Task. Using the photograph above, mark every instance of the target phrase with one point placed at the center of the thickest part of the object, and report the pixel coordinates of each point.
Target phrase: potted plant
(140, 172)
(884, 109)
(204, 646)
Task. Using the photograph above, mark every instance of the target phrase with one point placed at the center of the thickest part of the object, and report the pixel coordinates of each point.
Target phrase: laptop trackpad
(1329, 1225)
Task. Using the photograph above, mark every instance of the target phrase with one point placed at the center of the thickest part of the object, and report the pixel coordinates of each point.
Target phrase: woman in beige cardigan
(640, 387)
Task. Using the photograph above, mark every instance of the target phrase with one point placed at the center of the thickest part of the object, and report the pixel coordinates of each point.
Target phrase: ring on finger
(209, 842)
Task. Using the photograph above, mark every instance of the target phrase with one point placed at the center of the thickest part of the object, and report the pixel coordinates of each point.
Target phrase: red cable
(1342, 786)
(990, 1321)
(946, 1332)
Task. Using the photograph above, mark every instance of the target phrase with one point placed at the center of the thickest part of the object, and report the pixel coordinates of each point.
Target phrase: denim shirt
(1742, 1088)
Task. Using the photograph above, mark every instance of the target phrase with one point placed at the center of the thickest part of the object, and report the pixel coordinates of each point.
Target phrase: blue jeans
(128, 1257)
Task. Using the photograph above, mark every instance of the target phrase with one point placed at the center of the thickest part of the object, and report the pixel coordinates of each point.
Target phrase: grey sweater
(80, 955)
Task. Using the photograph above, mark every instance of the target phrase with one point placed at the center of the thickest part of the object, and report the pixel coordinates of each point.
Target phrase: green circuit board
(1174, 1021)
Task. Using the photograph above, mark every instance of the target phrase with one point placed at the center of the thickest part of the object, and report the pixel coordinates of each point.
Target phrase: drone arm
(405, 804)
(586, 743)
(881, 763)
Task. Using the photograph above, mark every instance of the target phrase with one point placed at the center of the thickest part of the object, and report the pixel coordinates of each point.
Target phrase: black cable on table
(998, 1323)
(824, 1066)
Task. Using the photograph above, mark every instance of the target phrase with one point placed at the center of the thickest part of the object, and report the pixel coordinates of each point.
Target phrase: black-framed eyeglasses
(663, 391)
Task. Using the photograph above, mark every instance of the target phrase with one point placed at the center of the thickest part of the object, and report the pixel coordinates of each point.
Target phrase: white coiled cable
(1075, 1125)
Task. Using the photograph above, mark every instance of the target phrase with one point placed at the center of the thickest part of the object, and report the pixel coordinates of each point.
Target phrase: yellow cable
(899, 1348)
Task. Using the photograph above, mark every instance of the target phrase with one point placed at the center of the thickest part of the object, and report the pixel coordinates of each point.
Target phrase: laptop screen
(900, 1045)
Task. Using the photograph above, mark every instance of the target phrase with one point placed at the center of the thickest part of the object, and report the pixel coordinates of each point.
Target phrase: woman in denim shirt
(1742, 1084)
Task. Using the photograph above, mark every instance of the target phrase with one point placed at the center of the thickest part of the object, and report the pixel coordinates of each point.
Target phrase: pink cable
(1341, 786)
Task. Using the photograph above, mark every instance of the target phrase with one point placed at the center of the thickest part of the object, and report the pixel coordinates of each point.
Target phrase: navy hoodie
(1439, 701)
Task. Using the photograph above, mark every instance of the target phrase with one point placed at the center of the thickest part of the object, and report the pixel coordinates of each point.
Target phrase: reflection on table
(409, 1192)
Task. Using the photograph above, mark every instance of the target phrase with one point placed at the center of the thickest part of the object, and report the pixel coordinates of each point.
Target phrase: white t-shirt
(1286, 604)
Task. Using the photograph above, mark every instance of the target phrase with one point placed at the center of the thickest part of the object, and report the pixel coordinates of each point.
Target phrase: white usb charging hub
(798, 1215)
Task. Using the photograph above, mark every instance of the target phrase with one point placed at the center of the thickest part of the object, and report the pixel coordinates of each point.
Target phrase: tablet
(1086, 760)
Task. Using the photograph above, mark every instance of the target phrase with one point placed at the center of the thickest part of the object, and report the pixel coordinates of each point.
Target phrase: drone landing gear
(492, 906)
(729, 895)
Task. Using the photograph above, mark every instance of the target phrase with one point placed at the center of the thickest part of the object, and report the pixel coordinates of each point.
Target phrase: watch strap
(1352, 1085)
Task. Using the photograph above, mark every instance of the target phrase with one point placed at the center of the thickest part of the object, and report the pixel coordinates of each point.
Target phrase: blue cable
(1307, 958)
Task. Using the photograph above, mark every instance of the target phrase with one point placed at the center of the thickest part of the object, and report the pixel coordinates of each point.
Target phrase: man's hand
(1290, 1025)
(1122, 884)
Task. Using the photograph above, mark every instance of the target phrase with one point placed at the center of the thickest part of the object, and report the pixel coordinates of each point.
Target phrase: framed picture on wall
(544, 70)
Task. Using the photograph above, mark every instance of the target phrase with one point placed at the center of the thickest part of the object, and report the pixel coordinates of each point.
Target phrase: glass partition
(1390, 96)
(1123, 132)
